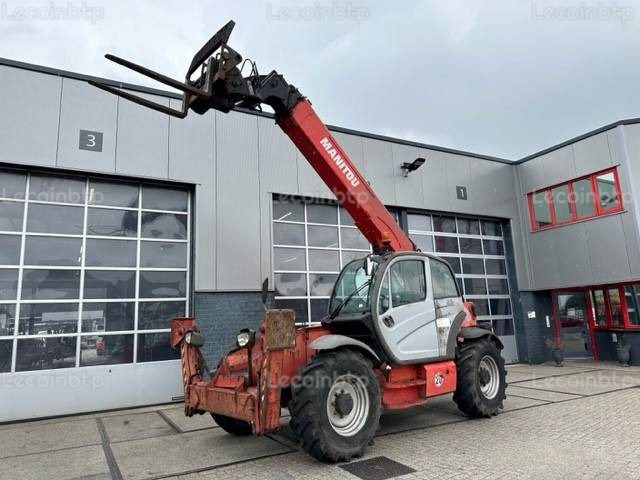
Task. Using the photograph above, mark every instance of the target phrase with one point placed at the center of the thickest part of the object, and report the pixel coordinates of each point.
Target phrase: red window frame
(624, 311)
(598, 210)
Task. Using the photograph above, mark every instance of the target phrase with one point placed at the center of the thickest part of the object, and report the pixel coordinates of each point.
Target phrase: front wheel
(335, 406)
(481, 385)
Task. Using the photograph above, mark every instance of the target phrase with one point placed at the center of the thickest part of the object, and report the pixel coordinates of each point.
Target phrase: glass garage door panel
(91, 270)
(474, 248)
(311, 244)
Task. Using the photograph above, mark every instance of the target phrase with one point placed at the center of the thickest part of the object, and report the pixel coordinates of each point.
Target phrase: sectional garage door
(90, 272)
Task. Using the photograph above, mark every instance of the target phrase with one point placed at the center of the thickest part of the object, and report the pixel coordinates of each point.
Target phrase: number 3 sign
(90, 141)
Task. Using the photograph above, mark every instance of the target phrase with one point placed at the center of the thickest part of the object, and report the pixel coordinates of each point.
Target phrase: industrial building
(115, 218)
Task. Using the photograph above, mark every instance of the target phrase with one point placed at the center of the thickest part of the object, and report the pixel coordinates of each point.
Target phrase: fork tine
(139, 100)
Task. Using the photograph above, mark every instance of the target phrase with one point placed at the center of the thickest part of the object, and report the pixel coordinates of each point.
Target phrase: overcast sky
(503, 78)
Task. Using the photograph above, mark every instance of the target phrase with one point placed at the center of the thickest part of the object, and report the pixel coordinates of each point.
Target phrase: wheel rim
(489, 377)
(348, 405)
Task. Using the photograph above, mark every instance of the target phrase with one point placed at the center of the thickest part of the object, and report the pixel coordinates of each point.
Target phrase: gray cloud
(482, 76)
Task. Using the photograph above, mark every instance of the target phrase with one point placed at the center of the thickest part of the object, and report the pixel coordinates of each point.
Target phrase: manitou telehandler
(397, 332)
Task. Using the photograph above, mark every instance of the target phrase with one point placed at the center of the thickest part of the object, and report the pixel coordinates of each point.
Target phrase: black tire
(472, 378)
(310, 407)
(232, 425)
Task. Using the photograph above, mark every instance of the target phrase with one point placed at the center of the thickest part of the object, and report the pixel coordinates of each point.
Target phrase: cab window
(443, 281)
(407, 282)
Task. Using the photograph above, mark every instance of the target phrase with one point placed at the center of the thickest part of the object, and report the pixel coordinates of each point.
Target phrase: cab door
(406, 311)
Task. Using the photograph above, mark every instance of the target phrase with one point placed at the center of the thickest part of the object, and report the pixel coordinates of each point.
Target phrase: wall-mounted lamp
(410, 167)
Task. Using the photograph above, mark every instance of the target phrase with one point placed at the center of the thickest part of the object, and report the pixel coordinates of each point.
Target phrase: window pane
(163, 255)
(46, 353)
(345, 218)
(113, 194)
(419, 222)
(492, 229)
(636, 319)
(8, 284)
(110, 253)
(12, 185)
(50, 284)
(444, 224)
(10, 249)
(163, 284)
(11, 216)
(352, 238)
(290, 211)
(155, 347)
(498, 286)
(164, 225)
(289, 259)
(500, 306)
(481, 306)
(322, 214)
(446, 244)
(475, 286)
(470, 246)
(321, 284)
(109, 284)
(423, 242)
(48, 318)
(443, 282)
(493, 247)
(325, 260)
(632, 306)
(615, 306)
(322, 236)
(108, 316)
(161, 198)
(599, 306)
(541, 209)
(349, 256)
(472, 266)
(288, 234)
(298, 306)
(53, 251)
(407, 282)
(108, 350)
(607, 193)
(291, 284)
(155, 315)
(56, 189)
(583, 198)
(495, 266)
(7, 319)
(112, 223)
(6, 351)
(455, 264)
(468, 226)
(560, 198)
(319, 309)
(55, 219)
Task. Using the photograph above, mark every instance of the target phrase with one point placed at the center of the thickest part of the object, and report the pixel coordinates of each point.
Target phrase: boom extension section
(220, 85)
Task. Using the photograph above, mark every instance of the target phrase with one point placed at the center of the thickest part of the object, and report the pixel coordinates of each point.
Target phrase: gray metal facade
(236, 162)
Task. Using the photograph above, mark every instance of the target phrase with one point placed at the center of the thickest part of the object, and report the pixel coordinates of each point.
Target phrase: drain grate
(377, 468)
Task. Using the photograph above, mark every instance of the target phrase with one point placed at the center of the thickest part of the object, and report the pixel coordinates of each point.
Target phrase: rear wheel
(481, 378)
(335, 406)
(232, 425)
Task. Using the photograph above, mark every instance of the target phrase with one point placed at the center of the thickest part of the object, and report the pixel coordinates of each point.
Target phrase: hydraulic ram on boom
(397, 331)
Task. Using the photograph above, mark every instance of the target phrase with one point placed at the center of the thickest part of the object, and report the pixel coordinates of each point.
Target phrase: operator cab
(406, 306)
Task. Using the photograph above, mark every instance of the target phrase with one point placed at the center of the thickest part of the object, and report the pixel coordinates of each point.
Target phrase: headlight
(245, 338)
